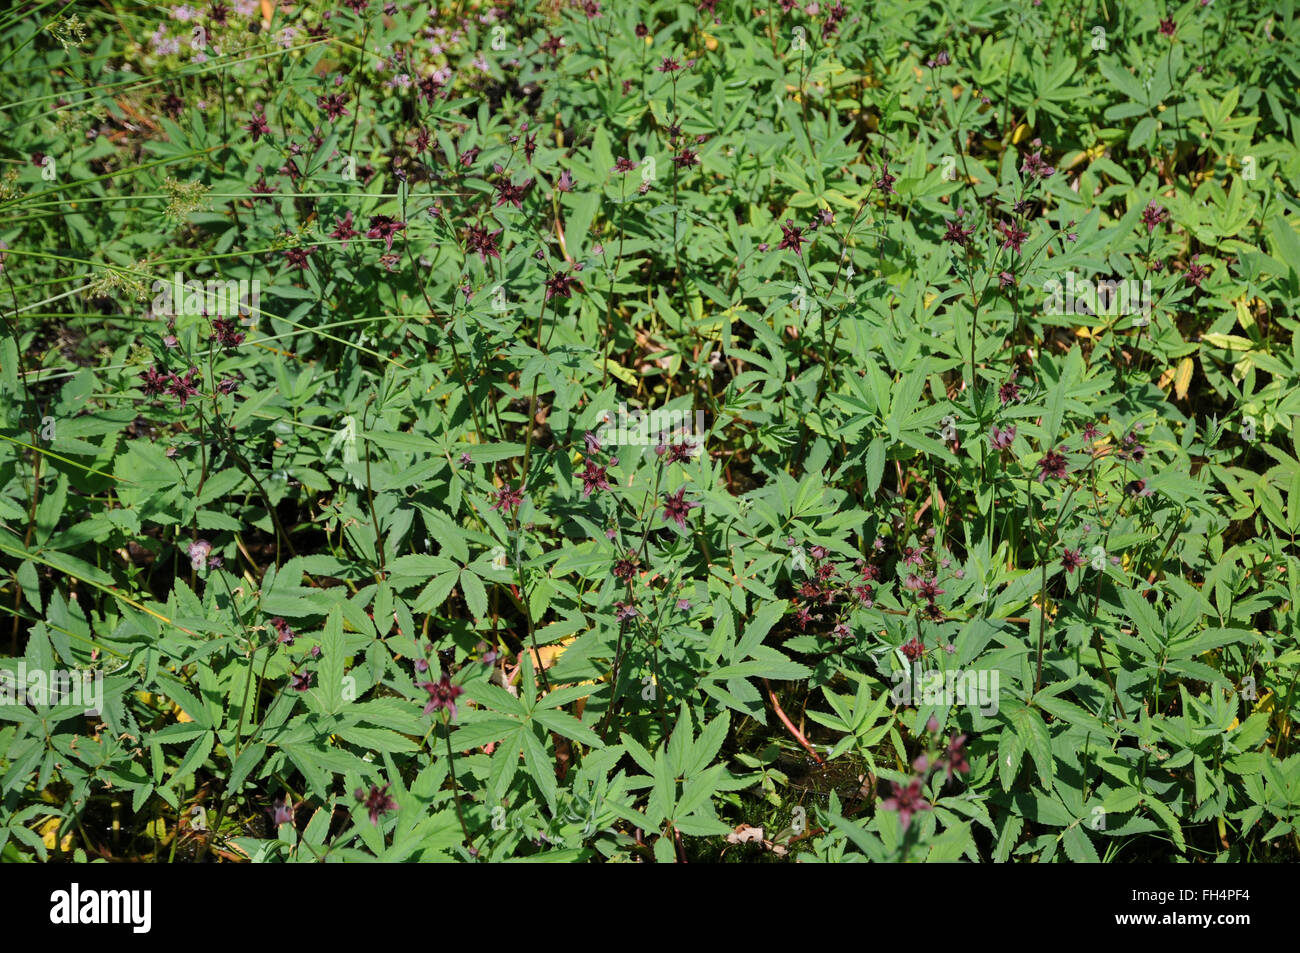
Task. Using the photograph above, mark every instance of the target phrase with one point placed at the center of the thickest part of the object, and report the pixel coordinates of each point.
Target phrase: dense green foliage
(963, 554)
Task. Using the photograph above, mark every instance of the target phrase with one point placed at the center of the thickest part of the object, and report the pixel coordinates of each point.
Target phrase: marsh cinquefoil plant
(954, 516)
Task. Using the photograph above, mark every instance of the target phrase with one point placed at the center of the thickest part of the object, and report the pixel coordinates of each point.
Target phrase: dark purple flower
(1131, 448)
(284, 634)
(343, 229)
(377, 802)
(507, 191)
(1036, 167)
(333, 105)
(1196, 272)
(482, 241)
(625, 568)
(929, 590)
(906, 801)
(956, 234)
(385, 227)
(183, 387)
(442, 696)
(290, 168)
(1071, 559)
(1002, 439)
(1153, 215)
(508, 498)
(1051, 465)
(560, 285)
(833, 17)
(680, 452)
(886, 181)
(792, 237)
(225, 332)
(1014, 236)
(257, 125)
(153, 381)
(676, 508)
(686, 158)
(593, 478)
(297, 257)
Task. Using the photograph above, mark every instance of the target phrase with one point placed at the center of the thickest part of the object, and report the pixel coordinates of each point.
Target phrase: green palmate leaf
(333, 662)
(1078, 846)
(1035, 739)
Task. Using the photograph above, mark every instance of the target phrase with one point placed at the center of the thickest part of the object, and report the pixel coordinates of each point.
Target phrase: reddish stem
(798, 736)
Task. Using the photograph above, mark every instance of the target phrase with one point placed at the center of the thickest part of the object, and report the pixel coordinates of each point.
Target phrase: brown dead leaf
(744, 834)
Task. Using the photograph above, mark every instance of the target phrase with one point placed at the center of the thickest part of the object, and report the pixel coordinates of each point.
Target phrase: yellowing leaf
(1183, 379)
(49, 830)
(621, 372)
(1231, 342)
(1244, 316)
